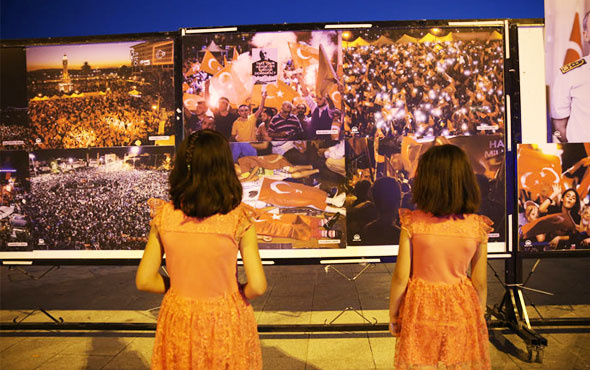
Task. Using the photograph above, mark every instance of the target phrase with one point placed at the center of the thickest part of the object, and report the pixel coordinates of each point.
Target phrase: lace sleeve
(405, 217)
(245, 220)
(156, 209)
(485, 227)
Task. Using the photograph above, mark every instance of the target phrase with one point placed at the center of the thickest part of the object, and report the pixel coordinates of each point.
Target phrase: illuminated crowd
(425, 89)
(115, 119)
(91, 208)
(14, 133)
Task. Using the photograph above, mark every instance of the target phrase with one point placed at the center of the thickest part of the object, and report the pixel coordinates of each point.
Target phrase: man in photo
(244, 128)
(224, 117)
(570, 96)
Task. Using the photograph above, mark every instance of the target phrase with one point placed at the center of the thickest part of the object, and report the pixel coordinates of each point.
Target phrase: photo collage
(326, 127)
(95, 142)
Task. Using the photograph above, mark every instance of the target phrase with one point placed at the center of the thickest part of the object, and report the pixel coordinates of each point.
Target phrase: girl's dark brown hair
(445, 183)
(203, 181)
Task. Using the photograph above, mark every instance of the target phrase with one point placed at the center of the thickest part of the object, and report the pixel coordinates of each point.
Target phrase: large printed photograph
(567, 70)
(423, 82)
(297, 190)
(264, 86)
(553, 202)
(96, 198)
(101, 94)
(381, 175)
(15, 222)
(14, 126)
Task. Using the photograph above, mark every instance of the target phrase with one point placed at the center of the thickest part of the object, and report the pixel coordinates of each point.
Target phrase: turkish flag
(210, 64)
(303, 56)
(327, 77)
(537, 172)
(286, 225)
(336, 96)
(235, 55)
(573, 53)
(410, 152)
(557, 223)
(289, 194)
(194, 68)
(276, 94)
(227, 83)
(191, 100)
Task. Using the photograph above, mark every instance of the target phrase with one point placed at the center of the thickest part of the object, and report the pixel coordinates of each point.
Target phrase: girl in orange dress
(205, 320)
(436, 309)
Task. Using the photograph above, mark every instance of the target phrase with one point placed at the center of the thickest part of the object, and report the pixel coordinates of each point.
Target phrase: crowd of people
(14, 129)
(365, 166)
(315, 119)
(91, 208)
(554, 207)
(114, 119)
(556, 222)
(424, 89)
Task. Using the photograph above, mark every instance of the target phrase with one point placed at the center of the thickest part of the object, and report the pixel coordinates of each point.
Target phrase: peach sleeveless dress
(442, 323)
(205, 322)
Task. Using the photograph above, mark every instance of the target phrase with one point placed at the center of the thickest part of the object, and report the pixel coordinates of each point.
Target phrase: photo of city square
(101, 95)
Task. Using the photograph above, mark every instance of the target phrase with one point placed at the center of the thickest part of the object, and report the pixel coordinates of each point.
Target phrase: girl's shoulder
(467, 225)
(167, 218)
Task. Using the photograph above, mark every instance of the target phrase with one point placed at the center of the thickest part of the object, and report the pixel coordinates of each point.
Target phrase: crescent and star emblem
(334, 94)
(209, 64)
(275, 187)
(300, 55)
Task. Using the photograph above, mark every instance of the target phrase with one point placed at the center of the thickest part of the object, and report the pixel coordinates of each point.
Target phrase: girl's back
(441, 317)
(205, 320)
(201, 255)
(435, 308)
(443, 247)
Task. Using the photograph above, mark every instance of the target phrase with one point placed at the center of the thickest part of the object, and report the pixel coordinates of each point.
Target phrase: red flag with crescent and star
(303, 55)
(227, 83)
(289, 194)
(210, 64)
(575, 43)
(276, 94)
(327, 78)
(537, 171)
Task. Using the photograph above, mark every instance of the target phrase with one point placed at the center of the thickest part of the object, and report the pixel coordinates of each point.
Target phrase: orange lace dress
(205, 322)
(442, 323)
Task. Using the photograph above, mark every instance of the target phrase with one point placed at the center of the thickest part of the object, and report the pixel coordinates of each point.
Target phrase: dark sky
(56, 18)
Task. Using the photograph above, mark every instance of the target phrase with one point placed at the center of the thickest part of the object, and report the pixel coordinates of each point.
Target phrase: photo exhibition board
(377, 98)
(343, 109)
(567, 72)
(553, 197)
(92, 143)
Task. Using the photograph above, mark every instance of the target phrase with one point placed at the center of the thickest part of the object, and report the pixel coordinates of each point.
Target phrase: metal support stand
(19, 269)
(366, 267)
(28, 274)
(59, 320)
(513, 313)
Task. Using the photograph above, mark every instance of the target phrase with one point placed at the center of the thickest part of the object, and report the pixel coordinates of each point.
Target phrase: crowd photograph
(297, 190)
(553, 199)
(442, 82)
(232, 85)
(98, 95)
(15, 234)
(15, 133)
(382, 179)
(95, 199)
